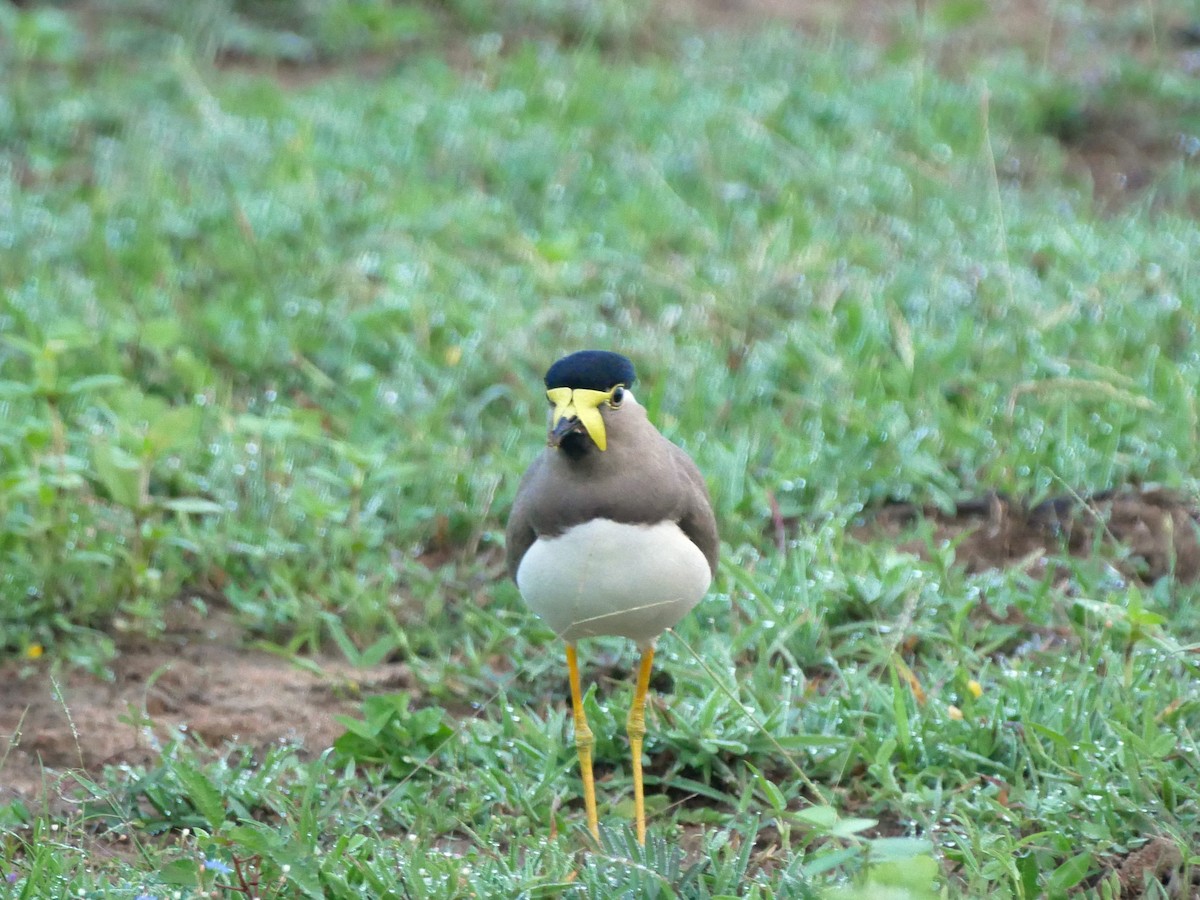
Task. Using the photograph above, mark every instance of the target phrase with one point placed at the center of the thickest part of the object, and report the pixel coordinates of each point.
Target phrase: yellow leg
(584, 742)
(635, 727)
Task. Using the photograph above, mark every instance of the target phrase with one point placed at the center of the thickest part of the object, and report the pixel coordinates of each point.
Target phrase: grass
(274, 343)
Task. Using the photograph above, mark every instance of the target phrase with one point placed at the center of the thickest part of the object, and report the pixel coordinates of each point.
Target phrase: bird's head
(581, 389)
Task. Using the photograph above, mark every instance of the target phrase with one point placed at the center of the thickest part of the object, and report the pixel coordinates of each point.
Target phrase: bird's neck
(576, 447)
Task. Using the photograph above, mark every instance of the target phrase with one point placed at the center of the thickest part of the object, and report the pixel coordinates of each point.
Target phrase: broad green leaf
(1046, 732)
(11, 389)
(774, 796)
(173, 428)
(822, 817)
(203, 794)
(893, 849)
(851, 826)
(90, 383)
(179, 872)
(917, 874)
(120, 474)
(192, 506)
(1069, 874)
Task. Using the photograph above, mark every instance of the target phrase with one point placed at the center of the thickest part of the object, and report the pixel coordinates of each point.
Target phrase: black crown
(595, 370)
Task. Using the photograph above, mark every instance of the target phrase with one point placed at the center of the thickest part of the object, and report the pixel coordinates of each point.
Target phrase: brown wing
(519, 534)
(697, 520)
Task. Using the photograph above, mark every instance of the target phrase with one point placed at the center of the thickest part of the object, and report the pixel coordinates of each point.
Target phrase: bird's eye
(618, 394)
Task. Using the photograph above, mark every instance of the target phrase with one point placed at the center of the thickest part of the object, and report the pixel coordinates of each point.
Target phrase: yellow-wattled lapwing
(611, 533)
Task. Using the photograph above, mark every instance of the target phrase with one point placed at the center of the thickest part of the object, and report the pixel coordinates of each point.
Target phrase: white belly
(604, 577)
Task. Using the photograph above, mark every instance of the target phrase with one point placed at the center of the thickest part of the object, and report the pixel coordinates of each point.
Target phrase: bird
(612, 532)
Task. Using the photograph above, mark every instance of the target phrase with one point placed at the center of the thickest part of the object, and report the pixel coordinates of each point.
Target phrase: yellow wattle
(584, 405)
(594, 423)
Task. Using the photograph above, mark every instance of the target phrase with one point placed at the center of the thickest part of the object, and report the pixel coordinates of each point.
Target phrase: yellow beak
(578, 406)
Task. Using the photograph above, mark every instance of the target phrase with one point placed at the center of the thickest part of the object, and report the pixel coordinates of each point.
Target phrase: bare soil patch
(197, 679)
(1147, 534)
(1158, 862)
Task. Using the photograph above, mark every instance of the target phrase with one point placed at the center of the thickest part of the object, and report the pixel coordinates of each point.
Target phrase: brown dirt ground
(197, 679)
(1146, 534)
